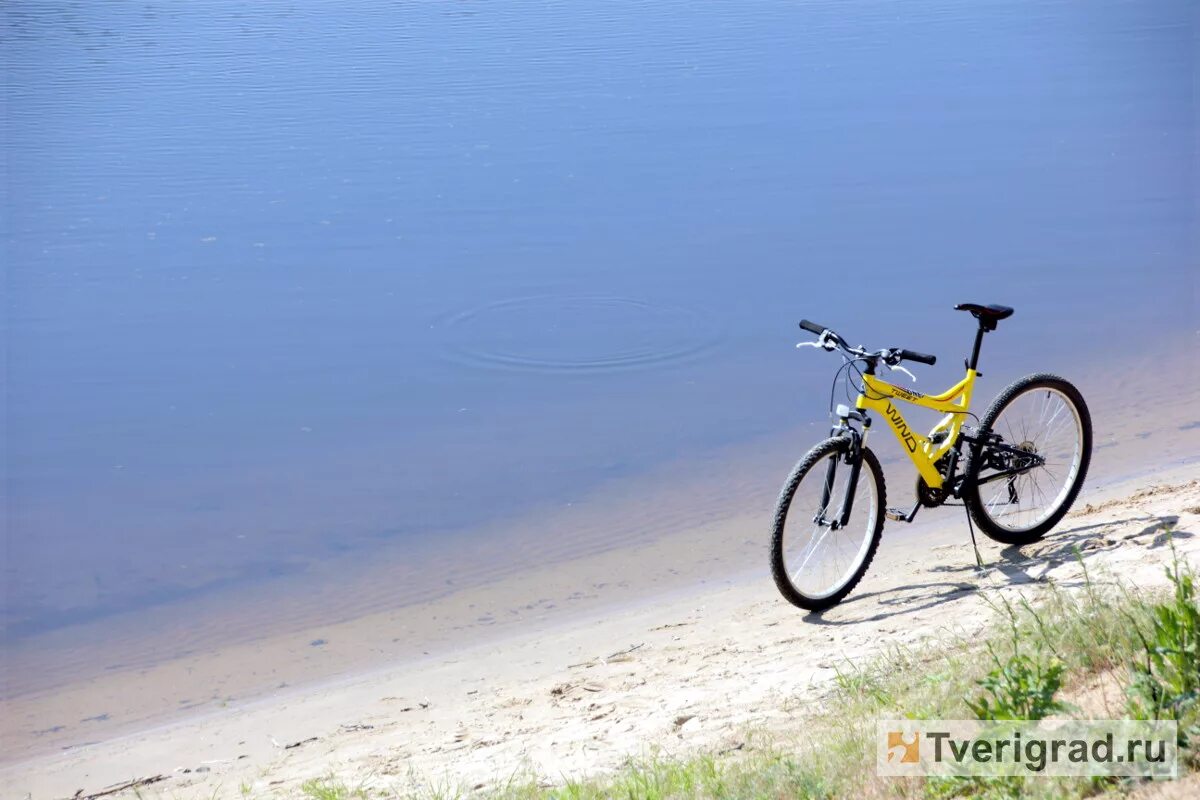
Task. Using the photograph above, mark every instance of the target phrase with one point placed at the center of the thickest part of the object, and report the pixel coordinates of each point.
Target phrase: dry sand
(698, 669)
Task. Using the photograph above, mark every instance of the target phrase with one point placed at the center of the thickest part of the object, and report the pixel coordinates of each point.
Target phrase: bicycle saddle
(987, 315)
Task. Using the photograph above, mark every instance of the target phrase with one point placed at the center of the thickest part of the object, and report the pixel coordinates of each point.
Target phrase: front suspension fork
(854, 458)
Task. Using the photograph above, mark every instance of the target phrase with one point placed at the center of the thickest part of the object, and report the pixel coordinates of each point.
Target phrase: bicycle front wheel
(1044, 415)
(815, 560)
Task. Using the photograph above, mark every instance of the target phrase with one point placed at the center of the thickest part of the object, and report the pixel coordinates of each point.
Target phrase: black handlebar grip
(812, 327)
(909, 355)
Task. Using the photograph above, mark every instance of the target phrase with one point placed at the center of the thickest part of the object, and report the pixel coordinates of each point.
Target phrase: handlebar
(912, 355)
(891, 356)
(812, 327)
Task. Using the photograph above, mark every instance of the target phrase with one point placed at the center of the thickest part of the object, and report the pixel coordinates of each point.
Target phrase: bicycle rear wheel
(1045, 415)
(815, 565)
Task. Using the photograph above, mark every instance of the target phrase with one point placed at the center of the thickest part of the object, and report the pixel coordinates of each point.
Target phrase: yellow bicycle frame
(955, 401)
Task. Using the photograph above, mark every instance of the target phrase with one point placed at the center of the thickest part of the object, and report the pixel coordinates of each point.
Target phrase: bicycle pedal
(896, 515)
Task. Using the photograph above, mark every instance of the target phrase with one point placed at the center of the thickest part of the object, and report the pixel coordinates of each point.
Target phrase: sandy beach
(706, 668)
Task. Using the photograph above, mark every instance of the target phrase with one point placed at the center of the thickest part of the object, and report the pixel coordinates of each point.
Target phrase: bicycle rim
(1046, 422)
(818, 560)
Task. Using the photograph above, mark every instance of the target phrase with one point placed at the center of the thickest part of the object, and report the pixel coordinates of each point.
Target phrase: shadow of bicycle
(1104, 536)
(1024, 564)
(897, 601)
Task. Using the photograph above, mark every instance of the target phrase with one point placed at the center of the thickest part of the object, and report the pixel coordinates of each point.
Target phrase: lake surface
(292, 282)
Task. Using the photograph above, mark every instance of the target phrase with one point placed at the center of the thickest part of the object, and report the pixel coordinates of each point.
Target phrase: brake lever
(826, 341)
(898, 368)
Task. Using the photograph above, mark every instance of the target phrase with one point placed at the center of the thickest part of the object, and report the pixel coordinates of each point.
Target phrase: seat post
(974, 362)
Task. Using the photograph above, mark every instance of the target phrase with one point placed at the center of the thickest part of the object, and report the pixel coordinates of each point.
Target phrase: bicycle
(1022, 465)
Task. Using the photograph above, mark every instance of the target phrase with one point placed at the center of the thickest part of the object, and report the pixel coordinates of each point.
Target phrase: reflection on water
(287, 284)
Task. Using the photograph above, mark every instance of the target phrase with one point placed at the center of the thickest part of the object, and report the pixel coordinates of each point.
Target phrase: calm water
(287, 281)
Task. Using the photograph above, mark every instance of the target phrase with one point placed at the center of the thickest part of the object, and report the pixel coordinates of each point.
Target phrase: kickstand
(974, 546)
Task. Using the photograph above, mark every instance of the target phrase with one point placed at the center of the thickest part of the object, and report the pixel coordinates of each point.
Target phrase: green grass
(1027, 666)
(1166, 673)
(332, 789)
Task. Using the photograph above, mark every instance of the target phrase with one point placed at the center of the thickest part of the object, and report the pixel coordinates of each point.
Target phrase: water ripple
(553, 333)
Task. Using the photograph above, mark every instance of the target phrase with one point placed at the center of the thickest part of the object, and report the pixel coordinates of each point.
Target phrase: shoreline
(414, 714)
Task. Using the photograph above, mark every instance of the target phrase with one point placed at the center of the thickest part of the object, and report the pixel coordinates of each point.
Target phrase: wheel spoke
(814, 546)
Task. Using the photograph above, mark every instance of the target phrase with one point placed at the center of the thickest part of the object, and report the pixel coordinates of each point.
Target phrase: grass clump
(1165, 682)
(768, 775)
(1166, 676)
(1023, 686)
(330, 788)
